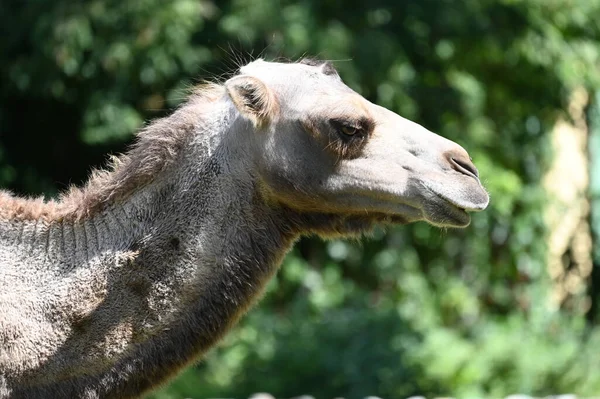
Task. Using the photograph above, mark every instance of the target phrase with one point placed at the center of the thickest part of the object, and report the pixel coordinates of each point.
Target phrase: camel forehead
(307, 86)
(307, 75)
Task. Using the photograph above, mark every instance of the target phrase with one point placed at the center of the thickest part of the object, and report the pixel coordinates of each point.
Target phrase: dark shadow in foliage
(333, 355)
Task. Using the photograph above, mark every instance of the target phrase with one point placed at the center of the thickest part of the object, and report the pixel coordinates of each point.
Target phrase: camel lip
(451, 216)
(465, 206)
(460, 216)
(448, 213)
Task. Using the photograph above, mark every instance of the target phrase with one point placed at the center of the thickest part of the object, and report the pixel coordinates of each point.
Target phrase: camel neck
(142, 288)
(66, 244)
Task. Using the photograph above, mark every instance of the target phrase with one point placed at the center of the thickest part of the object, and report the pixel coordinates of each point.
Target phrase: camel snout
(460, 161)
(479, 201)
(466, 192)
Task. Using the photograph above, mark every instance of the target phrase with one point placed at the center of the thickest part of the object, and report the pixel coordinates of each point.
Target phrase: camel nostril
(463, 167)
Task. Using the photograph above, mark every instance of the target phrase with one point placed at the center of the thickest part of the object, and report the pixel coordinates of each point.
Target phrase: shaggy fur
(115, 287)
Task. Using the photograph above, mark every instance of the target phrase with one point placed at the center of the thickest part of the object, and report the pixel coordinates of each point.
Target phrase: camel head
(321, 147)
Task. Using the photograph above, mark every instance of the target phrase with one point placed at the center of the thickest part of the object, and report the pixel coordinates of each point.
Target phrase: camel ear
(253, 99)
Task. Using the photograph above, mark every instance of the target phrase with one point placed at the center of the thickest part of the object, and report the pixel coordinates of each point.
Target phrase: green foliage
(414, 310)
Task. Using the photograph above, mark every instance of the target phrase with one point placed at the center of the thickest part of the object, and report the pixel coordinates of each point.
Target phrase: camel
(114, 287)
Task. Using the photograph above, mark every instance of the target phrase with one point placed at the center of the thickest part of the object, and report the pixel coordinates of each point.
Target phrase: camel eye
(349, 130)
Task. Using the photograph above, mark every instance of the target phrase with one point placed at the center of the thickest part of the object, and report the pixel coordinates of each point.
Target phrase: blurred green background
(510, 304)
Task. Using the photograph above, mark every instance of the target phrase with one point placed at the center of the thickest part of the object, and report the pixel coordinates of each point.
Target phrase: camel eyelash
(349, 128)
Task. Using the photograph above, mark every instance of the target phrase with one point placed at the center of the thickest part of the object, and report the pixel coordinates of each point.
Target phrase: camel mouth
(448, 214)
(442, 211)
(450, 205)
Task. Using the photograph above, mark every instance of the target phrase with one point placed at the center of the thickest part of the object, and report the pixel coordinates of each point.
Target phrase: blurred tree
(413, 310)
(594, 154)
